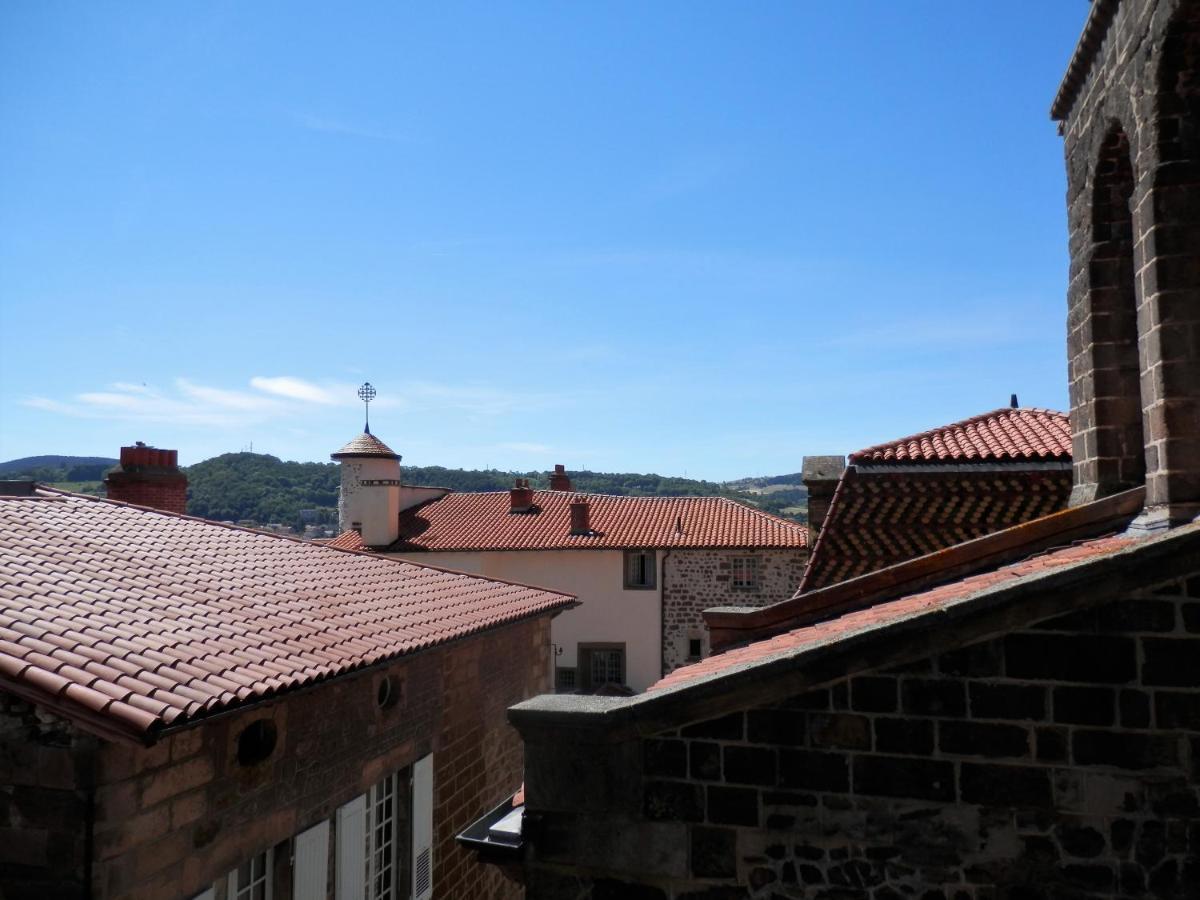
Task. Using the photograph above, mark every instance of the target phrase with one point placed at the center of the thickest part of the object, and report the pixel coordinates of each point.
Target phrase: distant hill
(785, 495)
(58, 468)
(259, 488)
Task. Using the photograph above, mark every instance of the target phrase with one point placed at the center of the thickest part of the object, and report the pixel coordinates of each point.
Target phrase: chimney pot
(520, 497)
(1012, 402)
(148, 477)
(559, 480)
(581, 517)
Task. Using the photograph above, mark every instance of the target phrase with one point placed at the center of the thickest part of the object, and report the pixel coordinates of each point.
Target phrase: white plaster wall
(377, 507)
(608, 613)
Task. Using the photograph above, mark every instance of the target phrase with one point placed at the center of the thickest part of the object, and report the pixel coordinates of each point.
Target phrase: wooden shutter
(422, 828)
(310, 868)
(352, 849)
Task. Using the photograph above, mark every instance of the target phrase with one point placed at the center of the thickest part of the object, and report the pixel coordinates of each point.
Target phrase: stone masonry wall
(696, 580)
(1059, 761)
(1132, 142)
(172, 818)
(45, 790)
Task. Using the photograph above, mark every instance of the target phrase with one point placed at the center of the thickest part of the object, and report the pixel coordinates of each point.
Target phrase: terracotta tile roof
(933, 600)
(998, 436)
(483, 521)
(366, 444)
(128, 619)
(877, 519)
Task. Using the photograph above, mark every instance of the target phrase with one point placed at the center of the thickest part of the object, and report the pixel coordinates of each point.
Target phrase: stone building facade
(171, 819)
(696, 580)
(1129, 112)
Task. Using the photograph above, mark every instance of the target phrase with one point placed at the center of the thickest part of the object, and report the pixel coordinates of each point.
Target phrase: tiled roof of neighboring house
(999, 436)
(128, 619)
(483, 521)
(918, 604)
(366, 444)
(876, 520)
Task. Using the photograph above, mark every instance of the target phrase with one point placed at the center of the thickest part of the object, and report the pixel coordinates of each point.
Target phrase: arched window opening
(1116, 383)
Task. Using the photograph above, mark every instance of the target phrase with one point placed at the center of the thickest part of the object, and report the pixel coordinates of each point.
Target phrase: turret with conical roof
(369, 499)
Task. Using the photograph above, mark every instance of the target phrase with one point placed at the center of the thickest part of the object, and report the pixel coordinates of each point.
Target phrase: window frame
(746, 561)
(234, 890)
(650, 572)
(584, 651)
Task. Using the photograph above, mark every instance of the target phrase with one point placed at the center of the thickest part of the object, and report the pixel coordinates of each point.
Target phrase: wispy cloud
(478, 400)
(327, 125)
(299, 389)
(187, 402)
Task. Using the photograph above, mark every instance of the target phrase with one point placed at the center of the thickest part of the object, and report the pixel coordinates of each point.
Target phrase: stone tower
(369, 499)
(1129, 110)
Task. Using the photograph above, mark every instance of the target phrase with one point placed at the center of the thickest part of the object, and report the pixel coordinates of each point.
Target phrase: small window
(695, 648)
(565, 680)
(601, 664)
(640, 569)
(252, 879)
(745, 573)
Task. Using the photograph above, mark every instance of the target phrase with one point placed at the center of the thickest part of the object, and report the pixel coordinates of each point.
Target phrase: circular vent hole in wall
(256, 742)
(387, 694)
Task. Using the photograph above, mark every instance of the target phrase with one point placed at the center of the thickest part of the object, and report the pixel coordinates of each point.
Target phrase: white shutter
(422, 828)
(206, 895)
(310, 868)
(351, 849)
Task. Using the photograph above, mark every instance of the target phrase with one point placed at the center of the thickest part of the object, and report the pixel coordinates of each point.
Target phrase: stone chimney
(369, 498)
(559, 480)
(148, 476)
(581, 513)
(820, 475)
(520, 497)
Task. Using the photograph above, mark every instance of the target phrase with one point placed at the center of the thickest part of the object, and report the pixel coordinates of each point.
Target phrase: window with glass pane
(564, 679)
(381, 840)
(607, 666)
(252, 879)
(745, 573)
(640, 569)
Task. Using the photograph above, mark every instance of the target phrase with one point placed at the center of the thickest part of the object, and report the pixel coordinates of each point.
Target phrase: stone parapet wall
(1059, 760)
(696, 580)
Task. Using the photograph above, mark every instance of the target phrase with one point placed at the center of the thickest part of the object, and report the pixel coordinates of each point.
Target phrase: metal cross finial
(366, 394)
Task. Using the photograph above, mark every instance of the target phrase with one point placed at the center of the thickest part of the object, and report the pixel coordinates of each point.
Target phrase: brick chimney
(581, 517)
(559, 480)
(148, 476)
(520, 497)
(820, 475)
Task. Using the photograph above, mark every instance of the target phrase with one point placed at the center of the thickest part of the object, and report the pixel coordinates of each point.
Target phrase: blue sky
(684, 237)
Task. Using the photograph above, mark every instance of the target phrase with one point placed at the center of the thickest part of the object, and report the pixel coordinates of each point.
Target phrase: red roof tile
(140, 619)
(483, 521)
(997, 436)
(366, 444)
(935, 599)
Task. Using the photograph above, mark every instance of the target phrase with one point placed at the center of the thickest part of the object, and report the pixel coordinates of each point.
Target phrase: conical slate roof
(366, 444)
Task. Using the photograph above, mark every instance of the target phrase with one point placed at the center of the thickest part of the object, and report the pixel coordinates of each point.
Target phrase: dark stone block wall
(1061, 760)
(1132, 141)
(165, 821)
